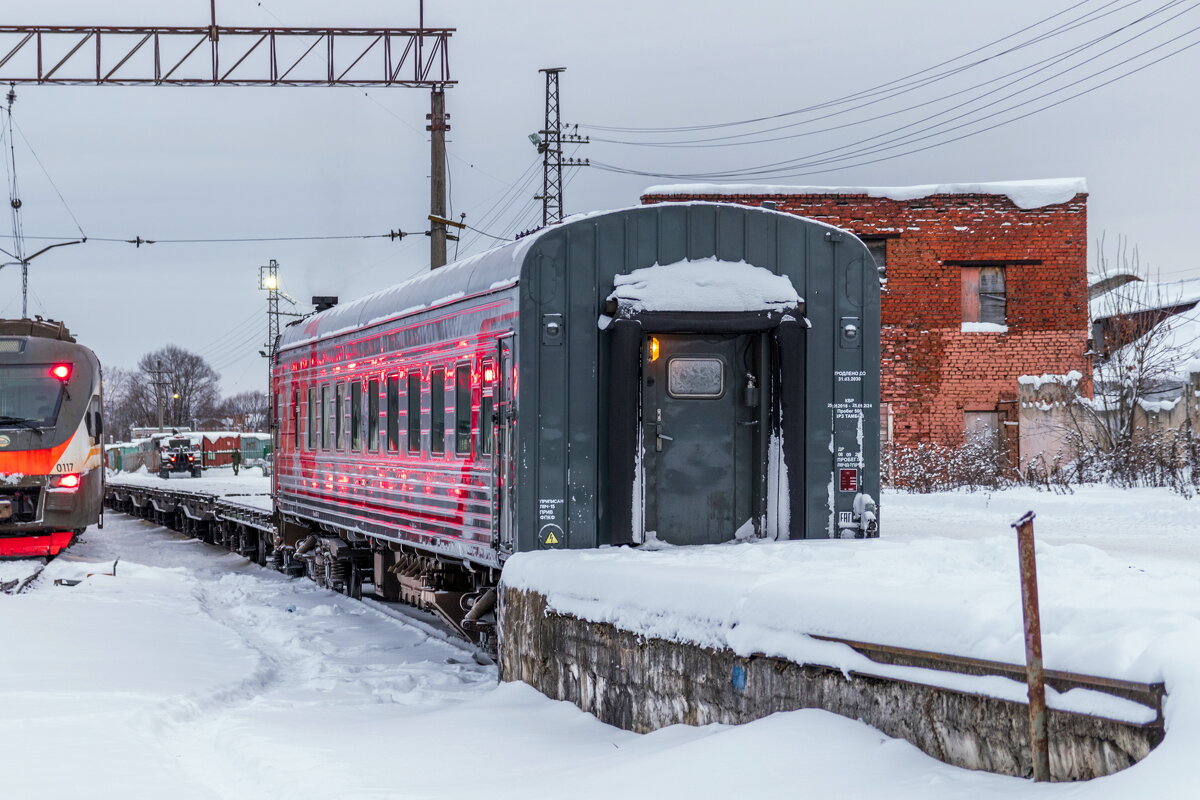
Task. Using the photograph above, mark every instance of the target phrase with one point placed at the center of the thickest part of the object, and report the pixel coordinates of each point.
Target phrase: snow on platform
(249, 488)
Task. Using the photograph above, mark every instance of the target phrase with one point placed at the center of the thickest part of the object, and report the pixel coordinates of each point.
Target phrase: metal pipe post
(1039, 742)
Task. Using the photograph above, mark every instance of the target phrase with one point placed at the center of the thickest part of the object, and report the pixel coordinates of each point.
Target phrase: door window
(696, 377)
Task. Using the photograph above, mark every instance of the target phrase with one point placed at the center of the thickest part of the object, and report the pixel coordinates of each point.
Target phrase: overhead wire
(804, 162)
(217, 345)
(503, 201)
(940, 128)
(1032, 69)
(49, 178)
(861, 93)
(249, 340)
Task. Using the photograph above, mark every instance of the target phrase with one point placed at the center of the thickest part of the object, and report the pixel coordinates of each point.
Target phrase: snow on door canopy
(703, 285)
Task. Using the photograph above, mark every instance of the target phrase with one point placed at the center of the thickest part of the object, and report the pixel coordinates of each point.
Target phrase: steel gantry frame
(216, 55)
(71, 55)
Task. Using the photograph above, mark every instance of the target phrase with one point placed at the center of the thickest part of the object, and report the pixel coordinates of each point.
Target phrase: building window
(878, 249)
(984, 296)
(462, 410)
(437, 410)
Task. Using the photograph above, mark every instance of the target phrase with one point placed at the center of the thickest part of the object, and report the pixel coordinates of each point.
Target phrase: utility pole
(14, 202)
(159, 382)
(550, 141)
(437, 127)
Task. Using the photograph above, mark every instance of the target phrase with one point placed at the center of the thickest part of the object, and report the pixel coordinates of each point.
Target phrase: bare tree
(182, 381)
(120, 412)
(1139, 354)
(248, 409)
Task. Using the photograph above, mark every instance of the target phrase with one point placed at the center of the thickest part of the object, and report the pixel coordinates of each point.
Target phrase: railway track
(18, 584)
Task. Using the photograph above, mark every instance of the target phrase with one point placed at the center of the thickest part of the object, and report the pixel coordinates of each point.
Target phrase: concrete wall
(645, 684)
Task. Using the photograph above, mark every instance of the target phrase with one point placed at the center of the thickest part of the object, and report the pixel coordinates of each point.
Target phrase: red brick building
(985, 283)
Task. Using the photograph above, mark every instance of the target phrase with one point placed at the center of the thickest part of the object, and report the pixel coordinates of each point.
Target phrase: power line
(46, 172)
(913, 136)
(739, 140)
(774, 169)
(489, 235)
(862, 93)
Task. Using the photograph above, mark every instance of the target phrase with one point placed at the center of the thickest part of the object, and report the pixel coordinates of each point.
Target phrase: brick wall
(933, 371)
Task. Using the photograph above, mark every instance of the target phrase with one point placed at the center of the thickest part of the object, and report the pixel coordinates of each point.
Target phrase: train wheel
(353, 585)
(261, 552)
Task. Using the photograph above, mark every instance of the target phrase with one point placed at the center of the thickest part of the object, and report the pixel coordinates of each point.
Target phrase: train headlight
(61, 371)
(69, 481)
(652, 347)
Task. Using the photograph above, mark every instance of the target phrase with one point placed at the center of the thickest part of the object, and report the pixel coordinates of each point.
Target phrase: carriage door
(506, 442)
(699, 436)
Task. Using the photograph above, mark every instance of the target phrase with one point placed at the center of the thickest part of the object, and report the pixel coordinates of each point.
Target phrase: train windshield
(29, 396)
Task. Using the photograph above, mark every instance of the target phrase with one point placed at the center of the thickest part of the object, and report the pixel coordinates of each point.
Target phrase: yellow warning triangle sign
(551, 538)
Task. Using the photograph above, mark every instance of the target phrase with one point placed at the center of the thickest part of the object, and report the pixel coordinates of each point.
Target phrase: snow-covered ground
(194, 674)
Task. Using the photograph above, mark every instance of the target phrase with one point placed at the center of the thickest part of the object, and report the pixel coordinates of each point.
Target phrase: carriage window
(339, 404)
(485, 424)
(696, 377)
(462, 410)
(326, 413)
(373, 415)
(356, 415)
(312, 418)
(295, 419)
(437, 410)
(393, 413)
(414, 412)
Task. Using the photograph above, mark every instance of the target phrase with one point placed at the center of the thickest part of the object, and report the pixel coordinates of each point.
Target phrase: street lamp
(24, 262)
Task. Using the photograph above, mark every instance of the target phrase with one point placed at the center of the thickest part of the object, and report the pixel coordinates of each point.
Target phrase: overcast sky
(164, 162)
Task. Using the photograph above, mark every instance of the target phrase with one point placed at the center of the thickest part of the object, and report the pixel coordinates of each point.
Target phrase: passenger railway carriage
(51, 475)
(692, 373)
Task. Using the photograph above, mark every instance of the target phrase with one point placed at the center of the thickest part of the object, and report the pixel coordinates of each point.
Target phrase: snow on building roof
(1142, 295)
(1024, 194)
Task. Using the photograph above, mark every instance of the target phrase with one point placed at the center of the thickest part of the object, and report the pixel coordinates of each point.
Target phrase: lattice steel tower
(550, 145)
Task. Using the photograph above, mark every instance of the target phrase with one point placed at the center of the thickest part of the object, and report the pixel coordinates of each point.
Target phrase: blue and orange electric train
(51, 423)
